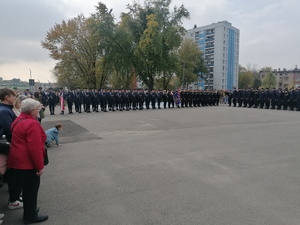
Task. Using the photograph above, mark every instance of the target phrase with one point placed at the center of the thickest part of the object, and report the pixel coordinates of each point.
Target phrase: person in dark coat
(78, 100)
(285, 99)
(52, 101)
(170, 99)
(279, 98)
(262, 96)
(69, 96)
(256, 99)
(292, 99)
(267, 98)
(165, 98)
(273, 97)
(298, 99)
(240, 97)
(153, 97)
(159, 98)
(234, 97)
(229, 94)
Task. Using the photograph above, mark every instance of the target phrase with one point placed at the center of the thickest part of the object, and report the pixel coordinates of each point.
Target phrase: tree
(269, 80)
(256, 83)
(97, 52)
(191, 62)
(245, 78)
(157, 33)
(104, 28)
(74, 46)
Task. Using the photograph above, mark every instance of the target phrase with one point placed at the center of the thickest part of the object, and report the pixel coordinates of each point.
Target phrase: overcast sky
(269, 30)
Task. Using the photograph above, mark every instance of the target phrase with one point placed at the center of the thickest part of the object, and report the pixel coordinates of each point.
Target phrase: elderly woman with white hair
(26, 157)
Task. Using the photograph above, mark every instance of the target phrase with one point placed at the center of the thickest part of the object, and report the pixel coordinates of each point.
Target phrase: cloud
(269, 33)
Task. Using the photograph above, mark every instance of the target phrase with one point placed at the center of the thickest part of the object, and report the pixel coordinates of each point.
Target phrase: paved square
(209, 165)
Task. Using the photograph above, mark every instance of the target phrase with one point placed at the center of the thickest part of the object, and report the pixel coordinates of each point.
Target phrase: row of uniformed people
(265, 98)
(125, 99)
(116, 100)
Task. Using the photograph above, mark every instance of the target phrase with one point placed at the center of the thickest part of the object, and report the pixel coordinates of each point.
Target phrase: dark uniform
(52, 101)
(273, 98)
(170, 99)
(298, 99)
(292, 100)
(78, 100)
(70, 100)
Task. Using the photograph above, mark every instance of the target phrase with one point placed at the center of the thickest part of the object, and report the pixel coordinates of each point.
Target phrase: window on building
(286, 78)
(285, 85)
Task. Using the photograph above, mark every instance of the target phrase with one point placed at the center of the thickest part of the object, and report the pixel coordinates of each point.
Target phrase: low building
(284, 78)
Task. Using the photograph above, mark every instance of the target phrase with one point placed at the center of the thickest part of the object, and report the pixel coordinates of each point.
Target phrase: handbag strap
(12, 128)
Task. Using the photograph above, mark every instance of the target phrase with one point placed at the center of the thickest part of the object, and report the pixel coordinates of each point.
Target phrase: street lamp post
(30, 80)
(183, 66)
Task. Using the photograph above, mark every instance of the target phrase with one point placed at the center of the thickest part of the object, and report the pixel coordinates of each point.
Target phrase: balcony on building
(209, 39)
(209, 46)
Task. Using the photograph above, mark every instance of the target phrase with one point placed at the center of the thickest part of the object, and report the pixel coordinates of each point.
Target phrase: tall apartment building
(219, 43)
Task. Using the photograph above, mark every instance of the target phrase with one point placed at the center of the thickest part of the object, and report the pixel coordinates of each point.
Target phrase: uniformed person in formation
(78, 100)
(52, 101)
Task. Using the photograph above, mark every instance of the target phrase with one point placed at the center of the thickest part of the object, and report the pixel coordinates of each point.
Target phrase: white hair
(29, 104)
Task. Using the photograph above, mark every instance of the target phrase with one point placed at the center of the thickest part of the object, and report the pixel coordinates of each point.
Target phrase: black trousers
(30, 183)
(70, 105)
(51, 107)
(14, 184)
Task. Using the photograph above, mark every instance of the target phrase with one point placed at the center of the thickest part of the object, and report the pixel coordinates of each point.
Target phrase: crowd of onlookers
(23, 146)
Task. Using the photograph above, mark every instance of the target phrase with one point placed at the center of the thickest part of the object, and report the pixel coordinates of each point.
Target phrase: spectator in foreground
(26, 158)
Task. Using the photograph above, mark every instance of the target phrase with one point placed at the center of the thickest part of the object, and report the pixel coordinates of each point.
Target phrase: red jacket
(27, 145)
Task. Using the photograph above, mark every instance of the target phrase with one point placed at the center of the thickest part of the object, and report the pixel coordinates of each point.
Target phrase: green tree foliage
(97, 52)
(104, 29)
(256, 83)
(269, 80)
(246, 78)
(74, 46)
(191, 62)
(249, 77)
(157, 33)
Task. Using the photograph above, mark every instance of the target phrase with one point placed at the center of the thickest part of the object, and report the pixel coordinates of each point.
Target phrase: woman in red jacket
(26, 157)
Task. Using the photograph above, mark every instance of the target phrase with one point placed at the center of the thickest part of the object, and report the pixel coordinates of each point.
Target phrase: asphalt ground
(193, 166)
